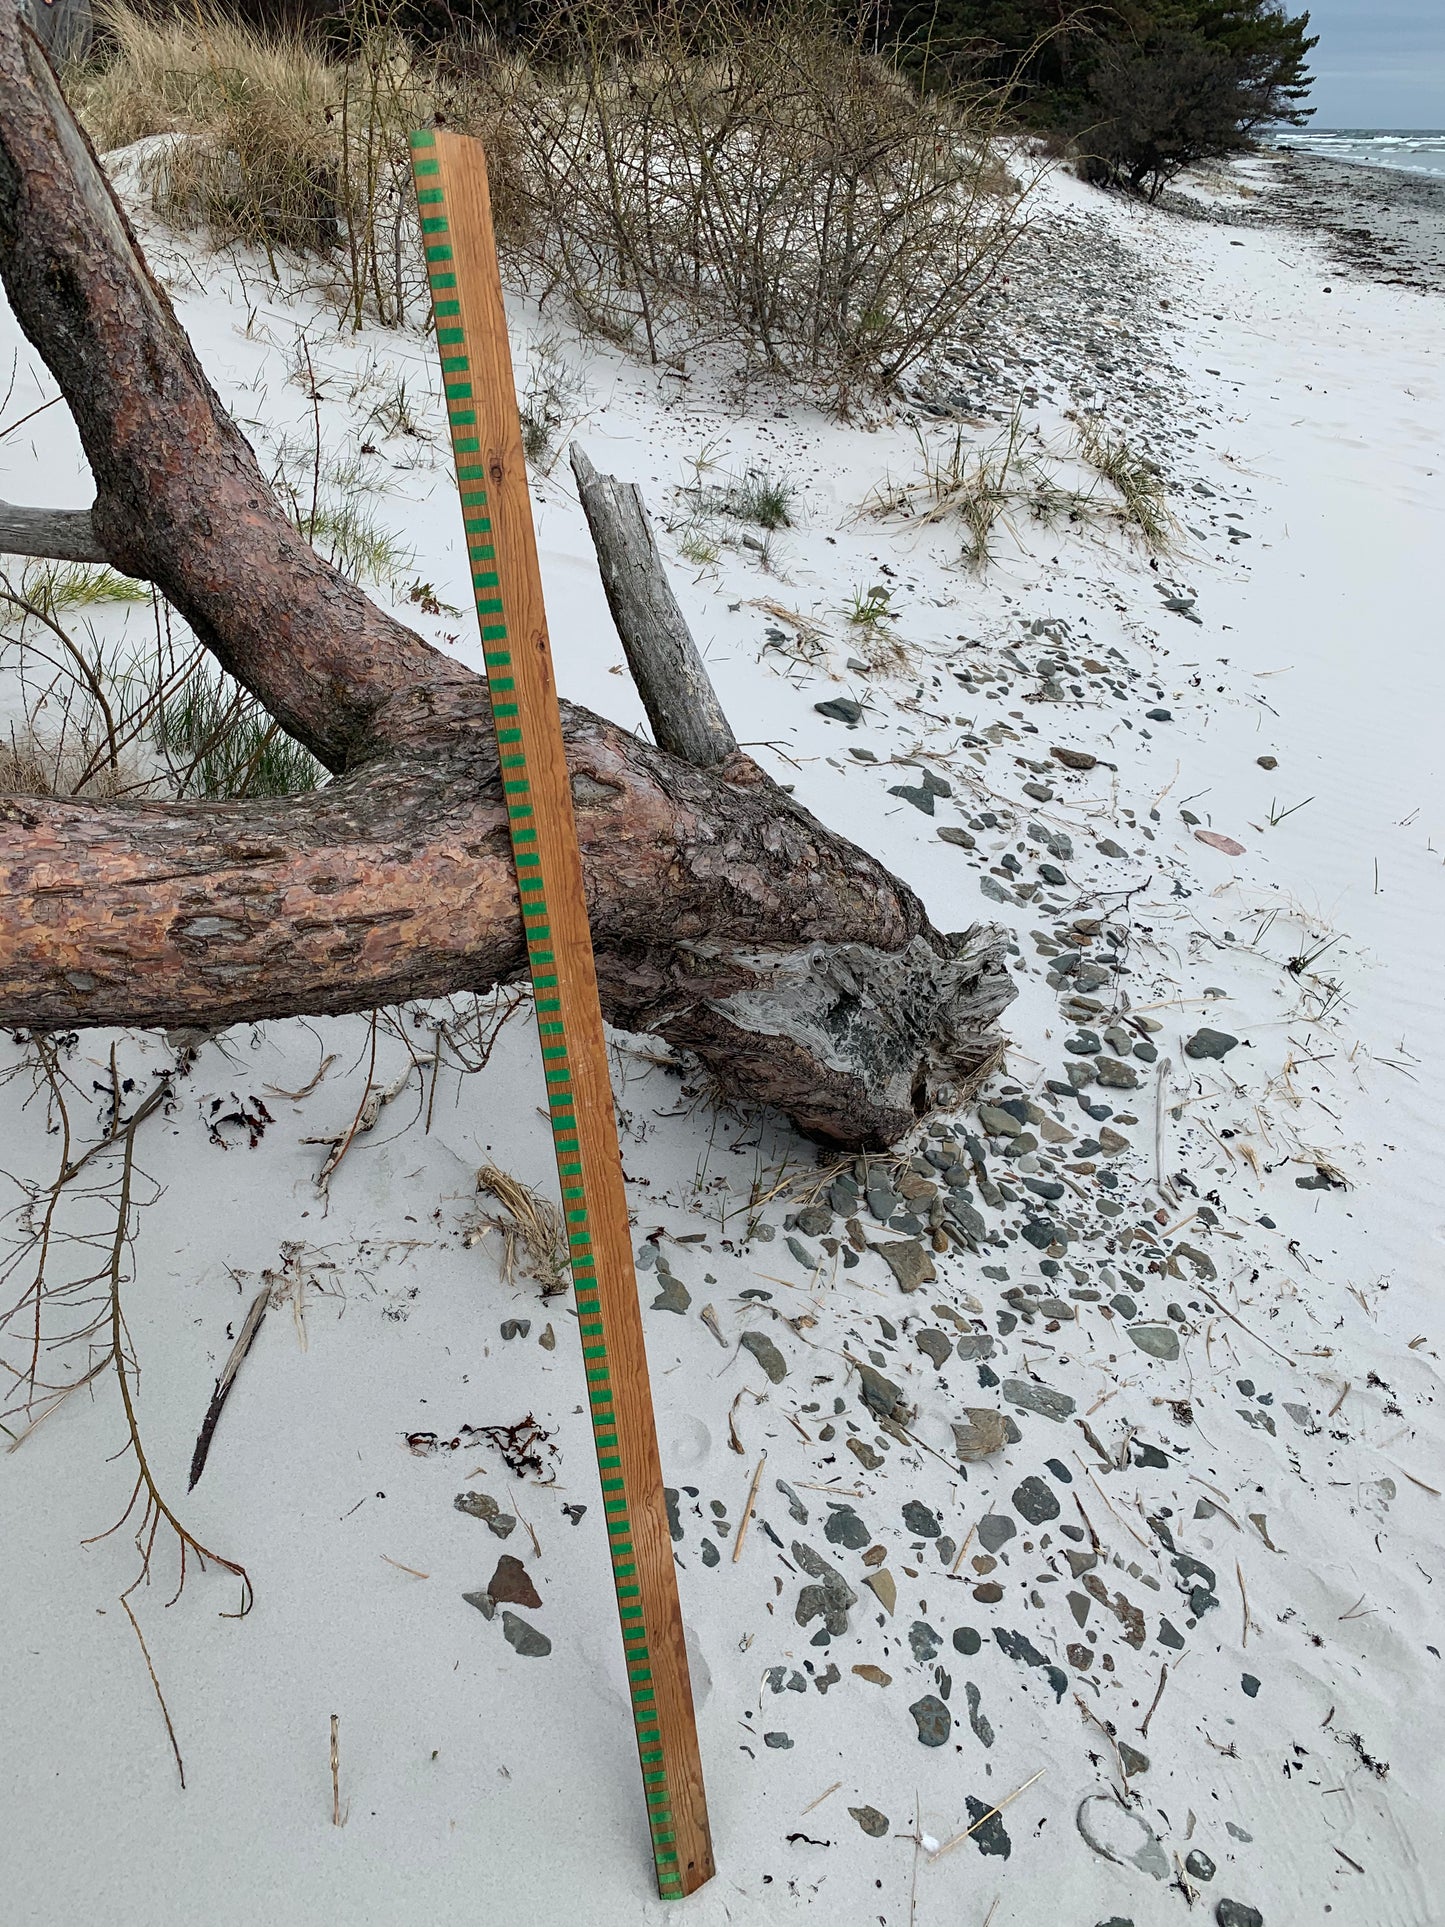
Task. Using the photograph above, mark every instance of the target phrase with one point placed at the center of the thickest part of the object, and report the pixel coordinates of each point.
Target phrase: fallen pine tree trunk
(725, 917)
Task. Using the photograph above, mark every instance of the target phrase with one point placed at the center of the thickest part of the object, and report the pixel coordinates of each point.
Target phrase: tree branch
(725, 918)
(180, 500)
(676, 692)
(57, 535)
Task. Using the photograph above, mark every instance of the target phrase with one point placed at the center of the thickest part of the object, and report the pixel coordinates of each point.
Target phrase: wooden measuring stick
(471, 324)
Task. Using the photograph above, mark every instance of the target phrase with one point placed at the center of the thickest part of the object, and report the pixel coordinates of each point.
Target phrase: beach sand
(1190, 1608)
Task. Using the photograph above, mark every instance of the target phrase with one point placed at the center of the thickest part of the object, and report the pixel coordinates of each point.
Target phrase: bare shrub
(683, 177)
(679, 176)
(550, 397)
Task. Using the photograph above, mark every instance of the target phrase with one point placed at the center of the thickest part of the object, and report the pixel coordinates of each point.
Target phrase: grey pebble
(979, 1434)
(1035, 1501)
(924, 1641)
(910, 1263)
(843, 1527)
(921, 1520)
(987, 1830)
(934, 1344)
(1038, 1398)
(1210, 1043)
(1117, 1074)
(797, 1511)
(933, 1720)
(977, 1719)
(920, 798)
(1160, 1341)
(673, 1296)
(524, 1639)
(767, 1354)
(477, 1505)
(995, 1529)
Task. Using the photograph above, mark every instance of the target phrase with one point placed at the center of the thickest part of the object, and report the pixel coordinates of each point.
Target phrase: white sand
(482, 1785)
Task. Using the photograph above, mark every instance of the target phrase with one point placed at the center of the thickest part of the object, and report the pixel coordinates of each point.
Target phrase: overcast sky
(1380, 63)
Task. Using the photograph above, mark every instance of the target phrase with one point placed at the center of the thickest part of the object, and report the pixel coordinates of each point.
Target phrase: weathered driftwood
(726, 918)
(63, 535)
(676, 692)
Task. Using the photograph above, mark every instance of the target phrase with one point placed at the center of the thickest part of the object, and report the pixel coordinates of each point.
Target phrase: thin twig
(165, 1710)
(1008, 1799)
(1158, 1695)
(155, 1509)
(1242, 1326)
(1249, 1619)
(1117, 1514)
(748, 1510)
(917, 1848)
(1165, 1066)
(414, 1571)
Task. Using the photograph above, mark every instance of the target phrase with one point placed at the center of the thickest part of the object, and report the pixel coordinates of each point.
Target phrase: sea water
(1412, 150)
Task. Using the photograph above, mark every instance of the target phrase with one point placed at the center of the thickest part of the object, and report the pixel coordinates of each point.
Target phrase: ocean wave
(1410, 150)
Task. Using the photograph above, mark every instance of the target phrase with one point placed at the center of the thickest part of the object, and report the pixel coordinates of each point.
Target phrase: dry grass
(32, 765)
(105, 717)
(1017, 478)
(280, 145)
(534, 1238)
(256, 161)
(1137, 482)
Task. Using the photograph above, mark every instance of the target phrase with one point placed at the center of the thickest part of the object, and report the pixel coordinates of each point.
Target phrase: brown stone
(510, 1584)
(979, 1433)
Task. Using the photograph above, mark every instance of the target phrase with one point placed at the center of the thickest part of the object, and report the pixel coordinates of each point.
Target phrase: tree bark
(676, 692)
(725, 917)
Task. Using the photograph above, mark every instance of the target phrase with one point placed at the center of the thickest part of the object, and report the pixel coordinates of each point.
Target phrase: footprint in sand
(688, 1442)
